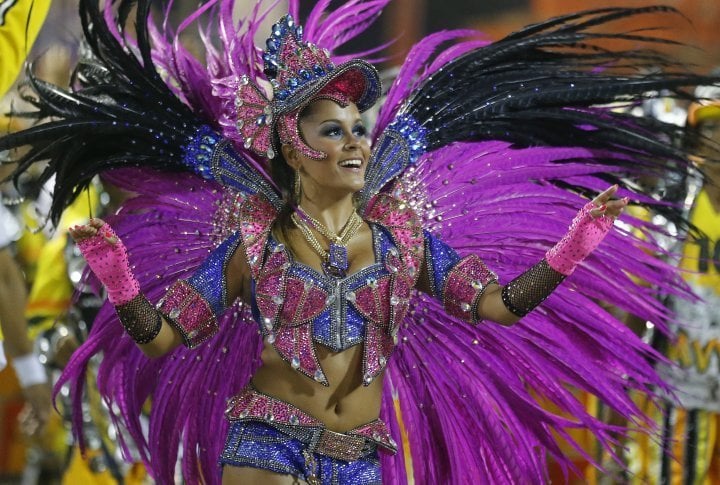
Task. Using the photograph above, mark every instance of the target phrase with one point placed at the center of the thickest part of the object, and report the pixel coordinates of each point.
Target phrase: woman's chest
(290, 294)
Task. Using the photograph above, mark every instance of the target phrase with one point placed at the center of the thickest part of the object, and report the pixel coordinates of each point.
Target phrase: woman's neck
(332, 213)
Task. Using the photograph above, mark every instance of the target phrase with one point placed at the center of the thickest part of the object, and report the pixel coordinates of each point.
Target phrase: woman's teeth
(354, 163)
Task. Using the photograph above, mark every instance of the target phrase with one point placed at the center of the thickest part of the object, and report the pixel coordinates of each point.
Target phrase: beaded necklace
(335, 259)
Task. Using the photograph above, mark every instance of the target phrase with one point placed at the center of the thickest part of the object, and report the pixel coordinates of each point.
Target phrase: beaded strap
(464, 285)
(531, 288)
(140, 319)
(188, 312)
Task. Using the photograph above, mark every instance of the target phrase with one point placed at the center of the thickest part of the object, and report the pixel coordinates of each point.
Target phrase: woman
(327, 251)
(342, 398)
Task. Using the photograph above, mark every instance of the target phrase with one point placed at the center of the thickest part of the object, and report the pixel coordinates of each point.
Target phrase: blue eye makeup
(331, 130)
(360, 130)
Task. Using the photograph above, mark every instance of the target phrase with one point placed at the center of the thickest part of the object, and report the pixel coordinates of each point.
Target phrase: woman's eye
(360, 130)
(332, 131)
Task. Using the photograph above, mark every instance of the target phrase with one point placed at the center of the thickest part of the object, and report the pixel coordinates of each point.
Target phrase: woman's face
(339, 132)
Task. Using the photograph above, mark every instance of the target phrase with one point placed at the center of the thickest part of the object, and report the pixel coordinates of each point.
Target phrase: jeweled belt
(252, 405)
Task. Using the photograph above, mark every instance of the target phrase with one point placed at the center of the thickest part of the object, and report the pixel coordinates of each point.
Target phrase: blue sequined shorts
(258, 444)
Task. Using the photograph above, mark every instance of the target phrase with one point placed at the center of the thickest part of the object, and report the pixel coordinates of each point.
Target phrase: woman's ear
(291, 156)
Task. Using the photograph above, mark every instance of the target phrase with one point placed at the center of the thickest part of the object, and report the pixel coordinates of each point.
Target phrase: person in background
(20, 22)
(686, 449)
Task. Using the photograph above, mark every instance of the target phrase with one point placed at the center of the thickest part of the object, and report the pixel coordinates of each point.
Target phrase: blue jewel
(319, 70)
(292, 82)
(282, 94)
(305, 74)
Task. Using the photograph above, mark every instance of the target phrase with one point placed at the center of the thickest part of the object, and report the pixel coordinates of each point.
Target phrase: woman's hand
(107, 257)
(587, 230)
(608, 207)
(92, 228)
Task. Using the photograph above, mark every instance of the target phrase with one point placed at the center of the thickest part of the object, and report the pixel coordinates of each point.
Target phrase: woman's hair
(284, 177)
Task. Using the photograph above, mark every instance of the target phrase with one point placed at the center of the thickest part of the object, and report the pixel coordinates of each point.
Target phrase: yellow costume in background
(690, 432)
(20, 23)
(49, 301)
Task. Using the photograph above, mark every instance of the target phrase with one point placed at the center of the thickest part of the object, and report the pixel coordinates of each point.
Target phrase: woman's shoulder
(392, 211)
(395, 214)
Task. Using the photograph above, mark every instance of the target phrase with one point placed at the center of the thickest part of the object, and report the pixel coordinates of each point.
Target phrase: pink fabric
(254, 118)
(464, 286)
(406, 228)
(584, 235)
(256, 215)
(110, 264)
(190, 313)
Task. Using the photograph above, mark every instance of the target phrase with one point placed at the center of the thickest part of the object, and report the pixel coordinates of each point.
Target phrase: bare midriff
(343, 405)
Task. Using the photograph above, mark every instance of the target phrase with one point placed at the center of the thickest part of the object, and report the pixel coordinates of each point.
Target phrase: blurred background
(409, 20)
(404, 22)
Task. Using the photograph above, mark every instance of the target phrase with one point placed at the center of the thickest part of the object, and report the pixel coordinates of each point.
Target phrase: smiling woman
(364, 319)
(339, 133)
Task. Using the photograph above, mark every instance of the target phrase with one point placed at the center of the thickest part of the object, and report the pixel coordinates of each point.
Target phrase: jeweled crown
(292, 65)
(298, 71)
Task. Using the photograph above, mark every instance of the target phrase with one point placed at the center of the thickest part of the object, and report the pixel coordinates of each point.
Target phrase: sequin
(189, 312)
(312, 307)
(460, 296)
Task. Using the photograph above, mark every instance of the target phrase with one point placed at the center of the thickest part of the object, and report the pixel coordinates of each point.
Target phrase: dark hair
(284, 176)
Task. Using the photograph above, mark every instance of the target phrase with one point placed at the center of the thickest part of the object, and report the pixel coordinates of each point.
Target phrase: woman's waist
(338, 407)
(254, 405)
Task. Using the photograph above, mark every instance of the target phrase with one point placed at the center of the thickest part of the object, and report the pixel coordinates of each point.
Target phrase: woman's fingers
(615, 207)
(82, 231)
(610, 208)
(96, 223)
(604, 197)
(92, 228)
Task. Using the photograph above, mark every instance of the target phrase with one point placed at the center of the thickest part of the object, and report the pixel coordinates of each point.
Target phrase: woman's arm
(469, 290)
(176, 321)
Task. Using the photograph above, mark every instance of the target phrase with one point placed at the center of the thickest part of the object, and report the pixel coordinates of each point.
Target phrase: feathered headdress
(298, 72)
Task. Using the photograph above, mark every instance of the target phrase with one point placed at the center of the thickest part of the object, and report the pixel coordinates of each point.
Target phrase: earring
(298, 187)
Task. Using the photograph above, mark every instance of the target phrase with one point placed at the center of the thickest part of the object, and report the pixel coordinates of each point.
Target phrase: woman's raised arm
(154, 333)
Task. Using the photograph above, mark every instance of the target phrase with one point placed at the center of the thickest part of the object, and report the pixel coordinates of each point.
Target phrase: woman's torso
(348, 395)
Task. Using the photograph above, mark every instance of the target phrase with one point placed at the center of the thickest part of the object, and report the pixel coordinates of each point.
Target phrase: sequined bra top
(297, 307)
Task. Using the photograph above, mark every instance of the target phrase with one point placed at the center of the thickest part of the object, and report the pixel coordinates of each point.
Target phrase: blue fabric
(259, 445)
(439, 260)
(209, 279)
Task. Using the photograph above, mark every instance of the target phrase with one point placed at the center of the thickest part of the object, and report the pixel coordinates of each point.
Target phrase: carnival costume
(484, 148)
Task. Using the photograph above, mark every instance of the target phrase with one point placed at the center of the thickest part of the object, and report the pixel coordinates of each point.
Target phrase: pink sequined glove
(107, 257)
(587, 230)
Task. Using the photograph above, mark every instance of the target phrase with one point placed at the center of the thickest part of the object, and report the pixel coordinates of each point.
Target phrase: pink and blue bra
(298, 307)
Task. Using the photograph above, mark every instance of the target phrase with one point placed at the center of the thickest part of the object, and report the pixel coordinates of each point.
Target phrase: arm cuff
(191, 314)
(464, 285)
